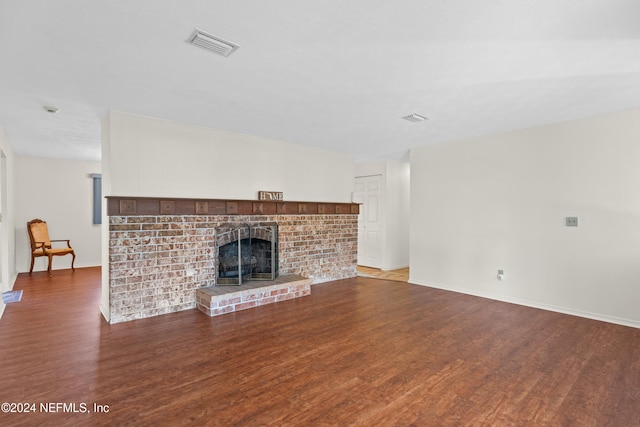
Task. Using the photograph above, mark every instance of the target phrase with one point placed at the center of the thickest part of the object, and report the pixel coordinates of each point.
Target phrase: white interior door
(367, 192)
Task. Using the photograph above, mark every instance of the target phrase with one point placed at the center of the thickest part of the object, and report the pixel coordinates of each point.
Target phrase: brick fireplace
(161, 251)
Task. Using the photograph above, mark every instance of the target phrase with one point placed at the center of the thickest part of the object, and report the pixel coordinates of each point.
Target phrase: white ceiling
(337, 74)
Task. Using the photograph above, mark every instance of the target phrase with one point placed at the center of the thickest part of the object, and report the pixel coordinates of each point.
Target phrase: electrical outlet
(571, 221)
(500, 274)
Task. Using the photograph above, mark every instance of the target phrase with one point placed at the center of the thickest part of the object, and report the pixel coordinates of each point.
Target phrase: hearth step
(217, 300)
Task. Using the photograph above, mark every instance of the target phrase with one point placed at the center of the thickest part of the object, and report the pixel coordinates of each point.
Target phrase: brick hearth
(217, 300)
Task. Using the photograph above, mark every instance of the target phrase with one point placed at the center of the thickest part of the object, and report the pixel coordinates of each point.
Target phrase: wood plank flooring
(399, 275)
(357, 352)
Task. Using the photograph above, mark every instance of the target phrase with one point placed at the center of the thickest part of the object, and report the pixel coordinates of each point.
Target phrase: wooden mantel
(136, 206)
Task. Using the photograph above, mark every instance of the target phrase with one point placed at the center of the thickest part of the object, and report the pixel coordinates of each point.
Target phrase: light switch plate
(571, 221)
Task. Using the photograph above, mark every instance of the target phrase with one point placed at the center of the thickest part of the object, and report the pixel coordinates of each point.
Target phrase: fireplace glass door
(247, 252)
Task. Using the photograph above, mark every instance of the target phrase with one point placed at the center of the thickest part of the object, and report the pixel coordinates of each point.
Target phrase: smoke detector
(415, 118)
(212, 43)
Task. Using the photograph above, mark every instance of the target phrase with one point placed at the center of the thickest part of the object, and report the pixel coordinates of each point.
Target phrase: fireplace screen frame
(244, 260)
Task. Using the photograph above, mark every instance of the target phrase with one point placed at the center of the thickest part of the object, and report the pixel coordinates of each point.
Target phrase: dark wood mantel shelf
(135, 206)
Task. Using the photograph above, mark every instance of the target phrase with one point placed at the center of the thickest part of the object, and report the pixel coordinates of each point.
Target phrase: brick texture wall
(156, 263)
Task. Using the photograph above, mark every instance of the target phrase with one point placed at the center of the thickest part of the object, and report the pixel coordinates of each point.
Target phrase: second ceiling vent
(212, 43)
(415, 118)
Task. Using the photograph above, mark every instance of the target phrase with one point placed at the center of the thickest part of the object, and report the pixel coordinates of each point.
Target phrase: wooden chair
(41, 244)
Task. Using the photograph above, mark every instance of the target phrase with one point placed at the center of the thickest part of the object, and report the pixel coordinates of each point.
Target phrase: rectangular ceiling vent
(415, 118)
(212, 43)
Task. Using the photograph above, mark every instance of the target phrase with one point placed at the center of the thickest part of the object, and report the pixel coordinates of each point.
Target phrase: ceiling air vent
(212, 43)
(415, 118)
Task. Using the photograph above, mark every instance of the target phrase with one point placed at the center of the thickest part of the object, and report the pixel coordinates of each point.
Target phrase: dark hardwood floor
(361, 351)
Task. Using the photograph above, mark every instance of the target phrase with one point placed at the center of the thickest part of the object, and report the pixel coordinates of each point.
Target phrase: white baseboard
(105, 312)
(66, 267)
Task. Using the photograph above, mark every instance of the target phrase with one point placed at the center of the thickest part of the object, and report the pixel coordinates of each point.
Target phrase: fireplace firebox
(246, 252)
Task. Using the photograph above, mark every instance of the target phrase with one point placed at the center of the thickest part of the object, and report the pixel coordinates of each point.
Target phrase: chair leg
(49, 266)
(31, 268)
(72, 261)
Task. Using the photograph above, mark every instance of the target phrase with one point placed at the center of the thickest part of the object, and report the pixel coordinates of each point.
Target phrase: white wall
(398, 185)
(105, 307)
(394, 210)
(500, 202)
(61, 193)
(8, 272)
(159, 158)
